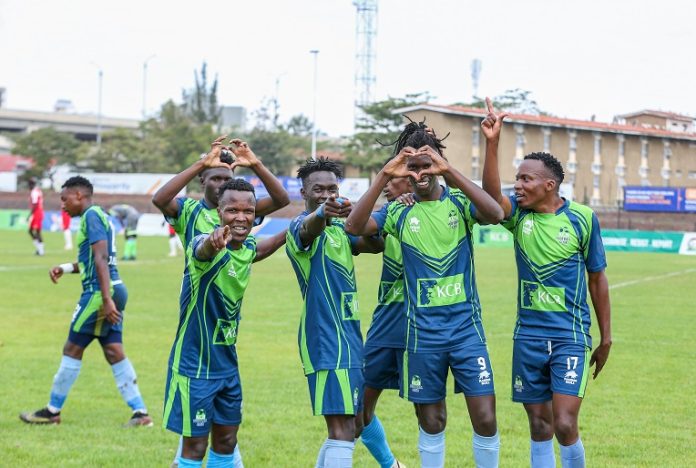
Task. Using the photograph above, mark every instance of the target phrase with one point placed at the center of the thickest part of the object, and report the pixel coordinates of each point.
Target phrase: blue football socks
(486, 450)
(339, 454)
(541, 454)
(375, 440)
(432, 449)
(127, 384)
(62, 382)
(573, 456)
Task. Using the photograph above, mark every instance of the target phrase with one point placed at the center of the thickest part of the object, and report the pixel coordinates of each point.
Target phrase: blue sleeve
(195, 243)
(294, 232)
(595, 258)
(509, 222)
(380, 216)
(96, 230)
(179, 208)
(258, 221)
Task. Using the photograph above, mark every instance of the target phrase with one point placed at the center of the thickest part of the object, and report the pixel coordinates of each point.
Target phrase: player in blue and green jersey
(560, 256)
(384, 343)
(99, 312)
(204, 393)
(190, 217)
(444, 329)
(330, 340)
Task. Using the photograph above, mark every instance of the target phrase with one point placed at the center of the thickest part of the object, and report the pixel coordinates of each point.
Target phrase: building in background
(643, 148)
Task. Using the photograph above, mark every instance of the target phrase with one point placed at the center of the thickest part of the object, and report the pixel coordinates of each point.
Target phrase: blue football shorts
(336, 391)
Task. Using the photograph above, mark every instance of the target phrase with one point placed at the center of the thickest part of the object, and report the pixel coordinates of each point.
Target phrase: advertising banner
(660, 199)
(641, 241)
(351, 187)
(132, 184)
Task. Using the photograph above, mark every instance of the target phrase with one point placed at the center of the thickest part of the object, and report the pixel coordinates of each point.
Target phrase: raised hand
(212, 157)
(337, 207)
(244, 156)
(493, 122)
(220, 237)
(397, 166)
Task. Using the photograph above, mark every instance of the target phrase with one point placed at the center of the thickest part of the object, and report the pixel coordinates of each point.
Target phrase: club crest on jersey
(414, 224)
(527, 226)
(571, 377)
(231, 272)
(518, 386)
(453, 221)
(200, 419)
(416, 384)
(563, 236)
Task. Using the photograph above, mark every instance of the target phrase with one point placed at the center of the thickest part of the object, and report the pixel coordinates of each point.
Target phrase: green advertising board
(15, 220)
(642, 241)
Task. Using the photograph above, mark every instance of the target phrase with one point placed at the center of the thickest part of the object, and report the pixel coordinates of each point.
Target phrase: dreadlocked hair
(552, 164)
(415, 135)
(322, 163)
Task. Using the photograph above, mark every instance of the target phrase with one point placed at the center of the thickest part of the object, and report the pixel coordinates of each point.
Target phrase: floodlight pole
(315, 54)
(144, 110)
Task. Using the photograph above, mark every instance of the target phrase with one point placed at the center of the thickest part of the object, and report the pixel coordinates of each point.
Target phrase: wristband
(67, 267)
(320, 211)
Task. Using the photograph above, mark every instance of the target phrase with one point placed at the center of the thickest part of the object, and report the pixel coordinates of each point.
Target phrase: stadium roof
(9, 162)
(550, 121)
(656, 113)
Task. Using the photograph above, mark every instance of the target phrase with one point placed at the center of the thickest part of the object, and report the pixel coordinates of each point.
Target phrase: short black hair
(551, 163)
(320, 164)
(239, 185)
(417, 135)
(79, 181)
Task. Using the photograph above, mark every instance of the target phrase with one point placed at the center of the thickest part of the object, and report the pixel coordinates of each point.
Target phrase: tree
(200, 102)
(47, 147)
(378, 127)
(279, 149)
(516, 101)
(299, 125)
(124, 150)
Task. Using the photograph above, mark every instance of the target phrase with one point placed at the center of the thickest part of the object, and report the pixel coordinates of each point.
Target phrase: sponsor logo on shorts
(571, 377)
(200, 419)
(355, 396)
(453, 221)
(434, 292)
(484, 377)
(416, 384)
(518, 384)
(414, 224)
(536, 296)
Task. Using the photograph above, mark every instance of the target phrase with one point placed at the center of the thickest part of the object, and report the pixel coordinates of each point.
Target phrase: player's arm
(491, 127)
(359, 222)
(278, 196)
(268, 246)
(369, 244)
(165, 198)
(101, 265)
(599, 293)
(212, 244)
(57, 271)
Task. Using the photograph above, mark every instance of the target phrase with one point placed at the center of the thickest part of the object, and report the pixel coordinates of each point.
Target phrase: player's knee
(566, 429)
(485, 424)
(433, 421)
(224, 443)
(540, 429)
(194, 447)
(113, 354)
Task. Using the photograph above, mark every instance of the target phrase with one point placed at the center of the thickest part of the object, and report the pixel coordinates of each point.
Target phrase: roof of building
(9, 162)
(550, 121)
(657, 113)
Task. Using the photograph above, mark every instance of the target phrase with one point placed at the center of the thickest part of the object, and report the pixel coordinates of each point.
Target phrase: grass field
(640, 412)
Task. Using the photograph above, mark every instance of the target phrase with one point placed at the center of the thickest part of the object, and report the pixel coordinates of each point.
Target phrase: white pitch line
(651, 278)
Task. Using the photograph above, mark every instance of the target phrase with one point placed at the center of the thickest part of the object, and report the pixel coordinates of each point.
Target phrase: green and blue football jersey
(95, 227)
(553, 251)
(388, 327)
(442, 302)
(194, 218)
(210, 307)
(329, 336)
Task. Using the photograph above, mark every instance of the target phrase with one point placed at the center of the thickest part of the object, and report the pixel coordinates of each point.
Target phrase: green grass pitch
(640, 412)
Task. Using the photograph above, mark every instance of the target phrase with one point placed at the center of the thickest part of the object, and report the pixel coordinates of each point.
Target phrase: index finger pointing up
(489, 105)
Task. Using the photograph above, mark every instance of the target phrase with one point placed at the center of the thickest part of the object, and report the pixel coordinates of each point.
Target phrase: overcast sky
(578, 58)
